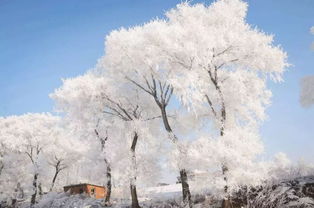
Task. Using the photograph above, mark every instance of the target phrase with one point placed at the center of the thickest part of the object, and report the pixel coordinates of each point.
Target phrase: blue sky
(44, 41)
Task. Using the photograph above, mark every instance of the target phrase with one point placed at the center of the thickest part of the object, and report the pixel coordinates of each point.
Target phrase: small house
(97, 192)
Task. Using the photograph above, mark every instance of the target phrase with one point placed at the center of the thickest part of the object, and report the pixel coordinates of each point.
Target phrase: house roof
(83, 184)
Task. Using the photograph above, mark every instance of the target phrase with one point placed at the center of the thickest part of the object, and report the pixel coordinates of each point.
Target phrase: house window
(81, 190)
(92, 191)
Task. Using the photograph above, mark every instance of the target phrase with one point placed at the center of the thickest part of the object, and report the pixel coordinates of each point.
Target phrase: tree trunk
(135, 203)
(165, 119)
(185, 188)
(15, 195)
(54, 179)
(108, 167)
(40, 189)
(226, 203)
(13, 203)
(186, 194)
(1, 167)
(33, 198)
(108, 174)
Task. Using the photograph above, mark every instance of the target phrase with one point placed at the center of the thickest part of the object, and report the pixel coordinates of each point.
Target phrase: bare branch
(126, 116)
(117, 113)
(168, 87)
(211, 105)
(161, 92)
(222, 81)
(124, 111)
(212, 78)
(233, 60)
(184, 65)
(222, 52)
(152, 118)
(140, 86)
(110, 113)
(154, 84)
(30, 156)
(169, 96)
(135, 112)
(148, 85)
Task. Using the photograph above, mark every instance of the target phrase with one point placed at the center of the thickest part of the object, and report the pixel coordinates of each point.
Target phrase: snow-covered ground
(296, 193)
(158, 197)
(163, 192)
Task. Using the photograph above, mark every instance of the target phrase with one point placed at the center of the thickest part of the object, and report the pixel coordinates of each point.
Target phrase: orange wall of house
(100, 192)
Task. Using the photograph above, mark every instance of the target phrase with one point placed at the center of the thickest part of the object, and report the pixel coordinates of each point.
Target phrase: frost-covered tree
(99, 104)
(126, 60)
(29, 134)
(81, 99)
(214, 62)
(62, 153)
(12, 174)
(2, 155)
(15, 178)
(237, 148)
(281, 168)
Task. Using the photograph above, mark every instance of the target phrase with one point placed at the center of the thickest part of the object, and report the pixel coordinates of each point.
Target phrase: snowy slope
(163, 192)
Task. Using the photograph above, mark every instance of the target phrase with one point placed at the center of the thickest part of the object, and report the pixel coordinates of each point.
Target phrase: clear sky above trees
(41, 42)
